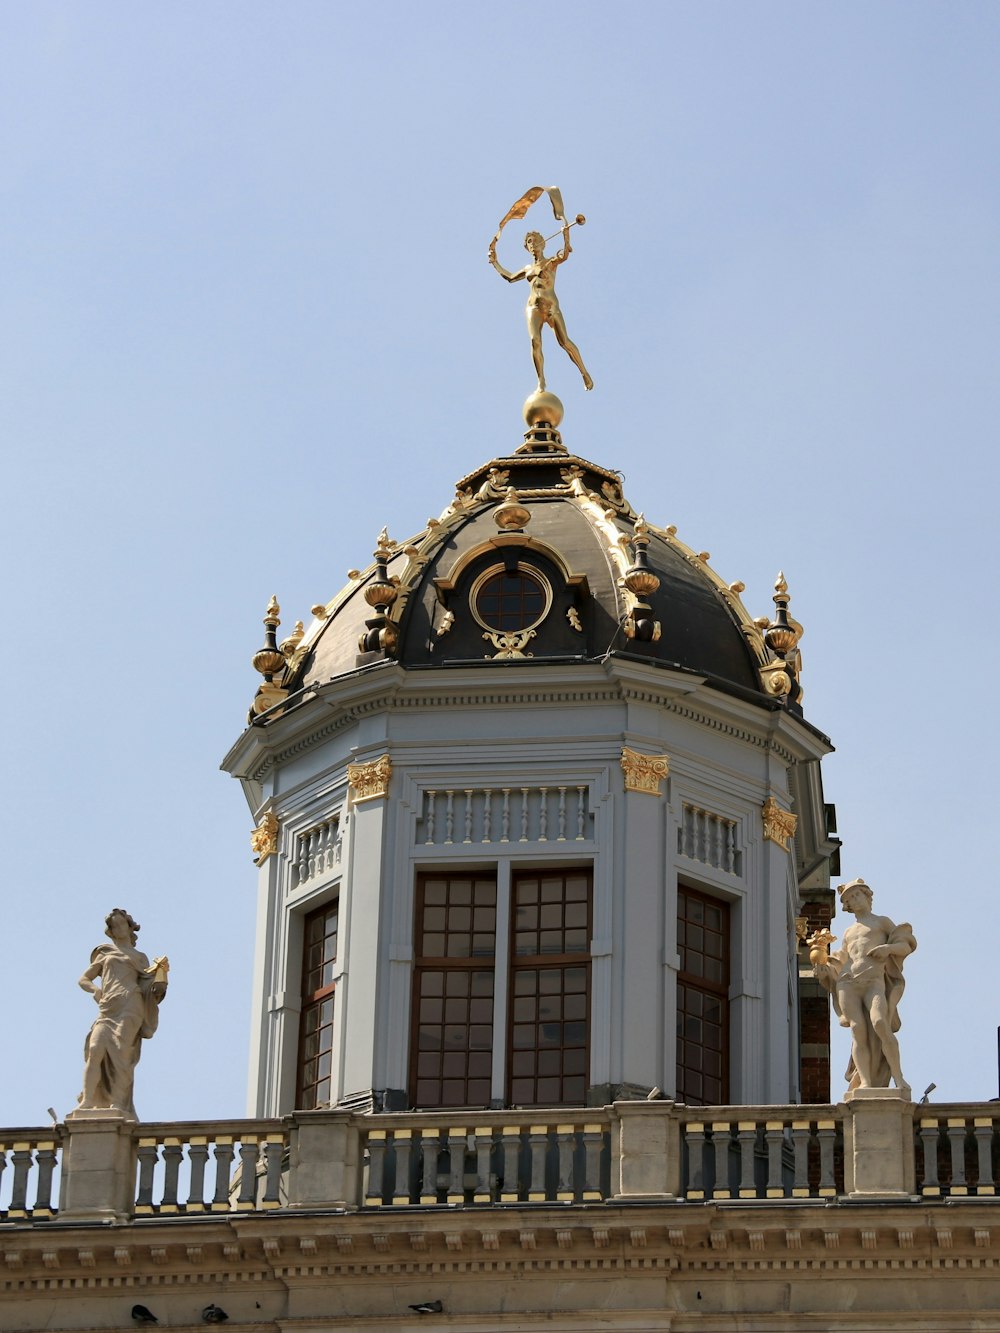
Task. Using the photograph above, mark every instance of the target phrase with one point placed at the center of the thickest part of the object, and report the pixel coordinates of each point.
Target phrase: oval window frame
(530, 571)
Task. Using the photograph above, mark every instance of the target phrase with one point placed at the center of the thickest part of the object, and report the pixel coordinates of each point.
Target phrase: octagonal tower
(537, 809)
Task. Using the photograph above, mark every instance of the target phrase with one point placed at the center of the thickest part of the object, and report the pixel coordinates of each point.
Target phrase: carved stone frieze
(264, 838)
(371, 780)
(644, 772)
(779, 825)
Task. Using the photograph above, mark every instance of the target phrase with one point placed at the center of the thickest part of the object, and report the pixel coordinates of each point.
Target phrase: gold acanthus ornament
(644, 772)
(779, 824)
(371, 780)
(264, 838)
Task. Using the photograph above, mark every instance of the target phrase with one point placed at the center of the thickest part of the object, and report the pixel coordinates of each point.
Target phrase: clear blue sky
(247, 319)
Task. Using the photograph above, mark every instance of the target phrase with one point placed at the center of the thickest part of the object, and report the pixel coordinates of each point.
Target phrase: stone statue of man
(128, 999)
(865, 979)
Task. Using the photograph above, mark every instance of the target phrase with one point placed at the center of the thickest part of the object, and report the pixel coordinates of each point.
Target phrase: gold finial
(384, 544)
(781, 636)
(269, 659)
(540, 274)
(289, 644)
(511, 515)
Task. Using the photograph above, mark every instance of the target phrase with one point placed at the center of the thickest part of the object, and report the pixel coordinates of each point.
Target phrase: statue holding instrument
(540, 274)
(128, 999)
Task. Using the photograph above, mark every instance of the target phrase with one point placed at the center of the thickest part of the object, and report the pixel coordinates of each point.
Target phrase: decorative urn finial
(381, 634)
(641, 582)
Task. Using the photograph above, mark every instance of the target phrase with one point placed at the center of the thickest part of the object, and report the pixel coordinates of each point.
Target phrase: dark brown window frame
(425, 965)
(307, 1093)
(543, 962)
(703, 986)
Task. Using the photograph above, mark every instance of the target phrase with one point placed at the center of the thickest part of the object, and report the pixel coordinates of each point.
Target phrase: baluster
(303, 854)
(730, 852)
(826, 1132)
(484, 1149)
(593, 1142)
(247, 1200)
(505, 816)
(524, 813)
(690, 831)
(224, 1154)
(717, 833)
(402, 1141)
(774, 1134)
(703, 836)
(449, 817)
(929, 1130)
(274, 1157)
(580, 799)
(538, 1144)
(45, 1161)
(487, 814)
(173, 1155)
(956, 1137)
(338, 841)
(328, 845)
(984, 1143)
(148, 1154)
(198, 1159)
(748, 1142)
(457, 1143)
(511, 1189)
(468, 815)
(430, 1147)
(800, 1141)
(376, 1167)
(22, 1158)
(429, 798)
(721, 1138)
(561, 835)
(314, 865)
(543, 814)
(694, 1134)
(566, 1142)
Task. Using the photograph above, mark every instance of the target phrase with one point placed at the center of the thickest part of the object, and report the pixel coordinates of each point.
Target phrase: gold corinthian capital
(371, 780)
(644, 772)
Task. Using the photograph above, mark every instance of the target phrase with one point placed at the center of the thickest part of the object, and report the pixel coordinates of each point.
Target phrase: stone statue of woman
(128, 998)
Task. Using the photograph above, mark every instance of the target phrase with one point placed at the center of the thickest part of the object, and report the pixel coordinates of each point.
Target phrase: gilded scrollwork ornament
(510, 643)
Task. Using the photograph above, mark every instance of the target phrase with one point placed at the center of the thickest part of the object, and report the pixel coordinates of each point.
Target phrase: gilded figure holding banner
(540, 274)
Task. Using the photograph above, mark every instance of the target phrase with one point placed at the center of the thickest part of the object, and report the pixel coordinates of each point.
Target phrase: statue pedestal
(878, 1148)
(98, 1173)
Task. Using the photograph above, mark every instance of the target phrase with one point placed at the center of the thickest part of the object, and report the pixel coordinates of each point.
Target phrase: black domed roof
(534, 560)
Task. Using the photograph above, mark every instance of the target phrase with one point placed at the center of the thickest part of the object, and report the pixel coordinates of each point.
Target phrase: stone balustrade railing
(29, 1174)
(875, 1147)
(958, 1150)
(556, 1156)
(764, 1152)
(229, 1166)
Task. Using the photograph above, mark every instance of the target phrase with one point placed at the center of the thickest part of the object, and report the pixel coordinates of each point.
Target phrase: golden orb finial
(542, 406)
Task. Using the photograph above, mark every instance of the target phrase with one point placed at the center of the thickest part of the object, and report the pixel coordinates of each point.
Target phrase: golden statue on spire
(543, 304)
